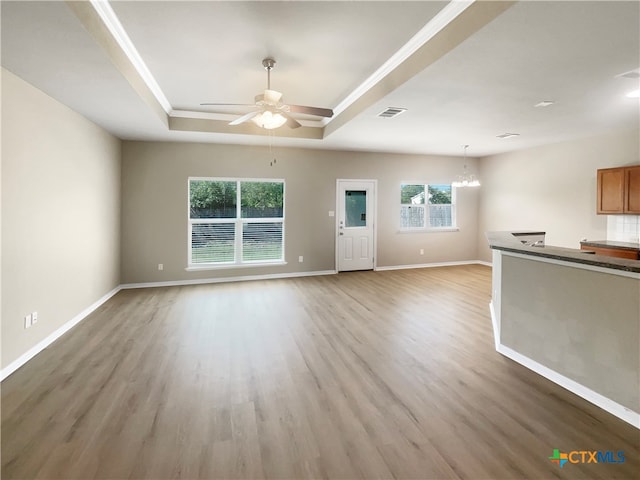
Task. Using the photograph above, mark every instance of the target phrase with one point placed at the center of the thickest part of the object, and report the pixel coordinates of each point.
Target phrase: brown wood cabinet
(613, 252)
(619, 190)
(632, 195)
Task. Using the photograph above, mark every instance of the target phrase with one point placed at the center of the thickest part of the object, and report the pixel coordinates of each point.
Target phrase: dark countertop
(507, 242)
(611, 244)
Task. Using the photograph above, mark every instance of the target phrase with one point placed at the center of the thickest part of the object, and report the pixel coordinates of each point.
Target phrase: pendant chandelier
(466, 179)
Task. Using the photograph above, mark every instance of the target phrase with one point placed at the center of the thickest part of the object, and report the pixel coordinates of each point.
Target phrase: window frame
(427, 228)
(238, 221)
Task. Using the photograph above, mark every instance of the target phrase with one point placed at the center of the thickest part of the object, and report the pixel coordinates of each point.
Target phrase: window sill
(429, 230)
(227, 266)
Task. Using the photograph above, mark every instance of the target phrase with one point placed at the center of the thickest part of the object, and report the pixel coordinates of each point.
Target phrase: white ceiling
(465, 71)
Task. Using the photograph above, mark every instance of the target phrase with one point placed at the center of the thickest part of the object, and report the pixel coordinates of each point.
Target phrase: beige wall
(582, 324)
(551, 188)
(154, 196)
(60, 214)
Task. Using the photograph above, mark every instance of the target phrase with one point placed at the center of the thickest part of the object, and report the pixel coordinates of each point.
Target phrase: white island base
(576, 324)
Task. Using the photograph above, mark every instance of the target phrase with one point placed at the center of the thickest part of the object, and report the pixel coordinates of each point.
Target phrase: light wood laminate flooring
(358, 375)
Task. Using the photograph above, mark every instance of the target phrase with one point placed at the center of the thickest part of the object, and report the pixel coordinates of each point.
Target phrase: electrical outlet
(161, 266)
(27, 321)
(300, 259)
(34, 318)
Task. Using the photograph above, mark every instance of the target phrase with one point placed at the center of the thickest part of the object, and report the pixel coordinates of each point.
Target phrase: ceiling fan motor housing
(271, 112)
(268, 63)
(269, 97)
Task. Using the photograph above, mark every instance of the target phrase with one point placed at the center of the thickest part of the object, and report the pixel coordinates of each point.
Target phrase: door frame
(374, 226)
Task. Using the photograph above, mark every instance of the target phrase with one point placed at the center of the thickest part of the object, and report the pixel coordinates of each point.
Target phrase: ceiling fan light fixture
(270, 112)
(269, 120)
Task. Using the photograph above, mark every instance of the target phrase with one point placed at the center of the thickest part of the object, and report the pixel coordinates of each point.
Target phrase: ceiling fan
(270, 112)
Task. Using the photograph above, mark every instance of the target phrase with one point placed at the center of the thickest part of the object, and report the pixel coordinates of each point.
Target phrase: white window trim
(238, 222)
(199, 267)
(428, 229)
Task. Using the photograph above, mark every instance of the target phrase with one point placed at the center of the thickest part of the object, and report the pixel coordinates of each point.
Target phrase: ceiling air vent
(392, 112)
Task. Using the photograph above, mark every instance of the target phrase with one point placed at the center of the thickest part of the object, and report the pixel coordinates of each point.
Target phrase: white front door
(356, 227)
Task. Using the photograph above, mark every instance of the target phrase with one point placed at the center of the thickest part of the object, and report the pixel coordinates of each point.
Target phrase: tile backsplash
(623, 228)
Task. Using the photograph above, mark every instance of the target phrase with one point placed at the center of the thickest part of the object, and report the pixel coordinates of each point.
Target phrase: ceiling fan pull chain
(273, 162)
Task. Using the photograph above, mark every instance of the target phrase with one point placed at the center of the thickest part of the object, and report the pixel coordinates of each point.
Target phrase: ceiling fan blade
(231, 104)
(291, 122)
(320, 112)
(244, 118)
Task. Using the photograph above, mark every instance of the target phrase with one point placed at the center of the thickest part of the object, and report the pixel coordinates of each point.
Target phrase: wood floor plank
(358, 375)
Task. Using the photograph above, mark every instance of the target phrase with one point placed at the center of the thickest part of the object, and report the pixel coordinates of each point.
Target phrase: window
(426, 207)
(235, 222)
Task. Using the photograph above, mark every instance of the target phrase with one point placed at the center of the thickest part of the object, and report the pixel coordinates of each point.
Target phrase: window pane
(440, 194)
(262, 241)
(440, 216)
(262, 199)
(412, 216)
(355, 206)
(212, 199)
(213, 243)
(411, 194)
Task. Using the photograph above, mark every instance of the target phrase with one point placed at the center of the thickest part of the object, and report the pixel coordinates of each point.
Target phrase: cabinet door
(613, 252)
(611, 197)
(632, 195)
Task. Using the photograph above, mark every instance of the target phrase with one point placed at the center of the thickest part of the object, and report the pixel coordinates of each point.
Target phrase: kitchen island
(572, 316)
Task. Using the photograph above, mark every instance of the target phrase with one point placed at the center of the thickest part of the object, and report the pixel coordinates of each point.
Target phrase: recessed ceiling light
(634, 94)
(508, 135)
(544, 103)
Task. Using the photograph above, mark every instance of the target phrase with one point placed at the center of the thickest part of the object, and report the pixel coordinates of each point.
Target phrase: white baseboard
(432, 265)
(586, 393)
(597, 399)
(244, 278)
(494, 322)
(33, 351)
